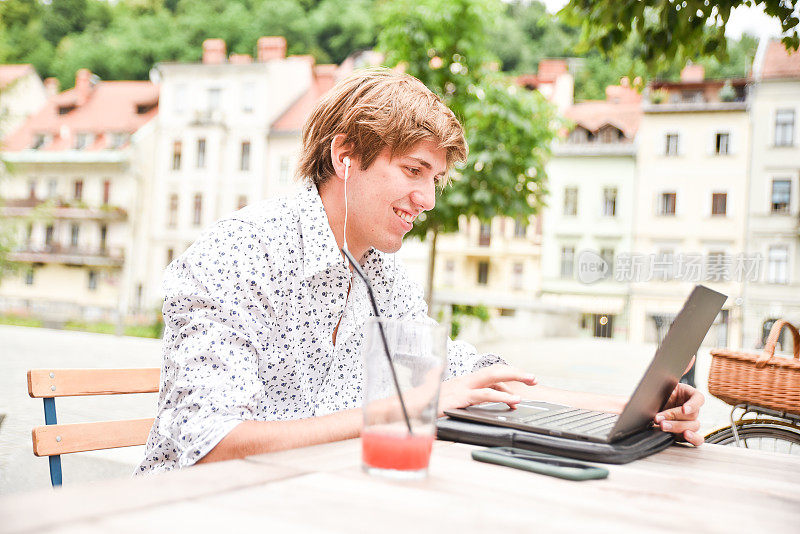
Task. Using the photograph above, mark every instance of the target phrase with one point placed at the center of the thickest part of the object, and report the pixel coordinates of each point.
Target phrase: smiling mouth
(407, 217)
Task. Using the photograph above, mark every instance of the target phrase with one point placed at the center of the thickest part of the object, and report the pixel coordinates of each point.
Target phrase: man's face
(385, 199)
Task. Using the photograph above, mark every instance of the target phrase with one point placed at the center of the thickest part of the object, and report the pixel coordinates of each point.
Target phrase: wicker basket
(764, 380)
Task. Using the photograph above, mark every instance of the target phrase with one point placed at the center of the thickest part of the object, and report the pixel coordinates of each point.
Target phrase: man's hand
(485, 385)
(680, 415)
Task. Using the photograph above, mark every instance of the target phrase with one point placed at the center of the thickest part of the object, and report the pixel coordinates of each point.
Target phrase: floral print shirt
(250, 310)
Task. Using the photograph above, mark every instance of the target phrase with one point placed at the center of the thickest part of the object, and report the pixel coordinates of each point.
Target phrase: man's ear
(341, 154)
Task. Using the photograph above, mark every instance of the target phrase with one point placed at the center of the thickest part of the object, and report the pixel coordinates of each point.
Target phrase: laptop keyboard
(575, 420)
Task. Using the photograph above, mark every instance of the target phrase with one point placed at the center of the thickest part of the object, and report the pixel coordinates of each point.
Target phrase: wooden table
(322, 488)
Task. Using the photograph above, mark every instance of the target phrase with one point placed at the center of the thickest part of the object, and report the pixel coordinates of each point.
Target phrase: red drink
(399, 452)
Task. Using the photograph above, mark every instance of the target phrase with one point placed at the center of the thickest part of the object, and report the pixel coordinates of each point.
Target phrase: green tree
(668, 30)
(443, 43)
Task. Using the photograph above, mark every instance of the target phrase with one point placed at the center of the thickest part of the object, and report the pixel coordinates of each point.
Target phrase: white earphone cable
(346, 172)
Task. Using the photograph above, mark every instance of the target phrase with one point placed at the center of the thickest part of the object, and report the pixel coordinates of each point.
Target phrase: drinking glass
(395, 441)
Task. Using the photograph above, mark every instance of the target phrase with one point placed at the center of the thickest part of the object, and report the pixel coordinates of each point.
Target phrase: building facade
(773, 232)
(21, 94)
(73, 193)
(588, 221)
(690, 203)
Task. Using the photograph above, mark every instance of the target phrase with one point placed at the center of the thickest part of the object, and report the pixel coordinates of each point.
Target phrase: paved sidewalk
(596, 365)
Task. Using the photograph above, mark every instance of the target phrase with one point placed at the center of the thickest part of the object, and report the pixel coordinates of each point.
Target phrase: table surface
(322, 489)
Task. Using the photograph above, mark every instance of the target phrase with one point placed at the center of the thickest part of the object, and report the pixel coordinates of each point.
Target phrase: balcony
(59, 254)
(60, 209)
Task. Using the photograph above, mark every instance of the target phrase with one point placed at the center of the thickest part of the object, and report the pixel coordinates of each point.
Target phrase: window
(38, 141)
(92, 280)
(52, 188)
(610, 202)
(520, 228)
(172, 214)
(31, 189)
(485, 235)
(29, 277)
(197, 216)
(608, 256)
(118, 139)
(283, 175)
(28, 234)
(77, 193)
(671, 148)
(722, 143)
(180, 98)
(176, 156)
(781, 195)
(244, 163)
(667, 204)
(73, 234)
(106, 191)
(170, 255)
(579, 135)
(103, 237)
(82, 140)
(778, 265)
(570, 201)
(201, 153)
(664, 264)
(517, 277)
(241, 201)
(784, 127)
(483, 273)
(717, 265)
(450, 270)
(248, 97)
(48, 235)
(609, 134)
(214, 98)
(719, 204)
(567, 262)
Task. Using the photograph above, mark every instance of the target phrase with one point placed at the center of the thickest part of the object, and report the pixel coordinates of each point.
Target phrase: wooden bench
(53, 440)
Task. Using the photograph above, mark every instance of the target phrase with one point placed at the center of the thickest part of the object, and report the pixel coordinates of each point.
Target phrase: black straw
(363, 276)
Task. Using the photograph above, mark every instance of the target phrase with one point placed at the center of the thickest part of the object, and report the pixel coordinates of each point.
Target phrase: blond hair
(377, 108)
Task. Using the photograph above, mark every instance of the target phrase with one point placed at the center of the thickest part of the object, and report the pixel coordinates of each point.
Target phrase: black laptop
(670, 361)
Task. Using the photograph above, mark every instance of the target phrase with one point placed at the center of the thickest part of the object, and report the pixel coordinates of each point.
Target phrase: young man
(263, 318)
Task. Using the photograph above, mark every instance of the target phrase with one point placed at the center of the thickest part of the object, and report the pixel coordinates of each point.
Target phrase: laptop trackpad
(524, 409)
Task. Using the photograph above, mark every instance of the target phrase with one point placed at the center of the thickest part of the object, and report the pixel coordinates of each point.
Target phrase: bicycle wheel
(765, 436)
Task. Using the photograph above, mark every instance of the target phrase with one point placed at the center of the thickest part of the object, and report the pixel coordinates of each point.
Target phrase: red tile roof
(780, 63)
(293, 119)
(621, 109)
(9, 73)
(101, 109)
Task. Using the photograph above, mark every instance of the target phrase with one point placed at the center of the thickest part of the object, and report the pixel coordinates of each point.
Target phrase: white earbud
(346, 162)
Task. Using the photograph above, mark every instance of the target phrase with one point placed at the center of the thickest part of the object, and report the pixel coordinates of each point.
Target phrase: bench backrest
(53, 439)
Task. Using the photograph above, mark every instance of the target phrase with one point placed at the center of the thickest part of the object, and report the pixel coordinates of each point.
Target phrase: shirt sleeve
(216, 303)
(409, 302)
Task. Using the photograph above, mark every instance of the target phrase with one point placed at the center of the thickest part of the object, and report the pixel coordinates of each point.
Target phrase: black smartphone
(536, 462)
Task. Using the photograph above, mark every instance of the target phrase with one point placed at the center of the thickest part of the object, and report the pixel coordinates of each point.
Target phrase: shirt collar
(320, 250)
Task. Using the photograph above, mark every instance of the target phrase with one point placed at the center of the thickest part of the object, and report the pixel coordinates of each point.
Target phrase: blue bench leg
(55, 461)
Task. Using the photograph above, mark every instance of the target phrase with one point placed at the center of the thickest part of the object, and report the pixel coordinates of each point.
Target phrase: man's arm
(258, 437)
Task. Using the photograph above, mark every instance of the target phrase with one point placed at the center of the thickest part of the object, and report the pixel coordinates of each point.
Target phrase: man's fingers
(693, 437)
(501, 386)
(679, 427)
(501, 373)
(686, 411)
(492, 395)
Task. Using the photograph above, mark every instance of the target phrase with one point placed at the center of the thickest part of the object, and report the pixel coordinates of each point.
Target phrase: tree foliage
(443, 43)
(668, 30)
